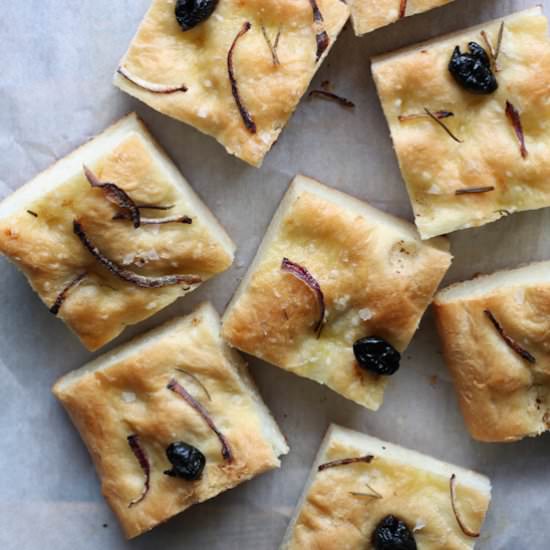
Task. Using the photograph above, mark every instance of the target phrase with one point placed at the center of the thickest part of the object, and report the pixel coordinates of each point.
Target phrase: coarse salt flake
(365, 314)
(128, 396)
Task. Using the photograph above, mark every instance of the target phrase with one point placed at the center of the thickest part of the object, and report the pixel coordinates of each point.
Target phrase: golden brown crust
(502, 396)
(377, 279)
(433, 165)
(331, 517)
(129, 396)
(368, 15)
(162, 53)
(50, 255)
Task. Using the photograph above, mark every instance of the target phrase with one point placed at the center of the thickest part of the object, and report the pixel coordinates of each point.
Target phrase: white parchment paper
(56, 60)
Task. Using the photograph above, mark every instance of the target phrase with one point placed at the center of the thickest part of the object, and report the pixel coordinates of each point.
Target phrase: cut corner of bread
(386, 480)
(177, 383)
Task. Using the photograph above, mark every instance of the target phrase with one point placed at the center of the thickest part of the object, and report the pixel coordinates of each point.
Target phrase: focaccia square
(375, 274)
(278, 46)
(369, 15)
(465, 165)
(495, 331)
(346, 501)
(44, 226)
(176, 384)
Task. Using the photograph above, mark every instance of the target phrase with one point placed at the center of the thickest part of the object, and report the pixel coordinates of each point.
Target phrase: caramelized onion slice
(402, 9)
(513, 116)
(512, 344)
(309, 280)
(62, 296)
(177, 388)
(367, 459)
(139, 453)
(463, 528)
(321, 36)
(150, 86)
(245, 115)
(129, 276)
(116, 195)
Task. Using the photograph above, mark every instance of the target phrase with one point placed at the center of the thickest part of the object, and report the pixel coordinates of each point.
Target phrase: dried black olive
(187, 461)
(376, 355)
(392, 534)
(190, 13)
(473, 70)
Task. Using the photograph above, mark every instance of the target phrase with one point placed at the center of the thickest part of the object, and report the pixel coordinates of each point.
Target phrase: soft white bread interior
(92, 152)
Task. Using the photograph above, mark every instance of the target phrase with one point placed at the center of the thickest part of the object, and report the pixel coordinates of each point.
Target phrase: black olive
(187, 461)
(376, 355)
(190, 13)
(473, 70)
(392, 534)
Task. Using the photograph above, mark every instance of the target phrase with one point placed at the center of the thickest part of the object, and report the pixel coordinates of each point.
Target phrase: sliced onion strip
(177, 388)
(139, 453)
(463, 528)
(302, 274)
(127, 275)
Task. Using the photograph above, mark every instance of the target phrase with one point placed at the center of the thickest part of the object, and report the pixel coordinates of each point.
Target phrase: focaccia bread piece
(346, 501)
(375, 275)
(44, 226)
(133, 403)
(495, 331)
(479, 171)
(369, 15)
(273, 62)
